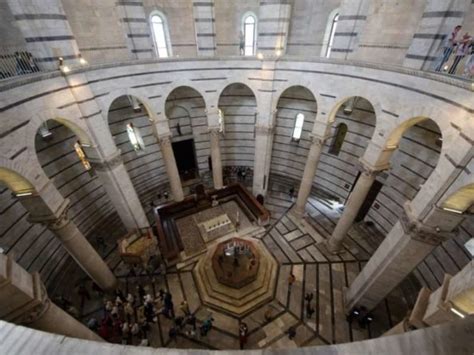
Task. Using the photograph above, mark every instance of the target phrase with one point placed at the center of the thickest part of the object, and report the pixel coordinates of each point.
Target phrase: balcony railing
(15, 61)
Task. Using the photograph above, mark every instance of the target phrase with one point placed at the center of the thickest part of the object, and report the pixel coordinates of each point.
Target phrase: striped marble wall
(146, 169)
(239, 106)
(204, 22)
(288, 156)
(337, 173)
(187, 107)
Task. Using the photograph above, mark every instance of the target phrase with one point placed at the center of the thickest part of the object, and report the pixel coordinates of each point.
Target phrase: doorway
(369, 200)
(185, 156)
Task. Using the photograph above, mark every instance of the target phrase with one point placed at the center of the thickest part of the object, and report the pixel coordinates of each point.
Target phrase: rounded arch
(136, 93)
(280, 91)
(233, 85)
(394, 137)
(461, 200)
(14, 177)
(232, 81)
(174, 90)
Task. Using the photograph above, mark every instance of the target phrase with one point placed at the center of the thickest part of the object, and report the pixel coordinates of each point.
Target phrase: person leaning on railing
(461, 51)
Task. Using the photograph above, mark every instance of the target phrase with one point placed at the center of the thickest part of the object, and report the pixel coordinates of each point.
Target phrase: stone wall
(47, 96)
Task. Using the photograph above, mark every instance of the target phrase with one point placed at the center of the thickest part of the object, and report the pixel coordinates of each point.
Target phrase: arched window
(339, 137)
(135, 138)
(249, 30)
(328, 39)
(298, 127)
(159, 30)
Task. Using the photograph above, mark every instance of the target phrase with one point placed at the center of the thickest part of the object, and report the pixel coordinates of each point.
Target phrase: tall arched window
(328, 39)
(298, 129)
(249, 30)
(339, 137)
(159, 31)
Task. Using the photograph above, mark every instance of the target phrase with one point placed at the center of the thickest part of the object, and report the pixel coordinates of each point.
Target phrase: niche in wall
(185, 156)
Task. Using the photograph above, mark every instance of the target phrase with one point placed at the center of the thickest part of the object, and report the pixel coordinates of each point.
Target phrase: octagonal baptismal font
(235, 262)
(236, 275)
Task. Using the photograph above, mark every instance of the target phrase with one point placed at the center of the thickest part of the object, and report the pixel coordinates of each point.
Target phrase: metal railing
(15, 61)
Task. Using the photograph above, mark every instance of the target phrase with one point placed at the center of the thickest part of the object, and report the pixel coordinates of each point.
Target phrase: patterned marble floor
(296, 246)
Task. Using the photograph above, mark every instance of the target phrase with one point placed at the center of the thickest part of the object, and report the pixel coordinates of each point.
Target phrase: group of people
(128, 319)
(461, 46)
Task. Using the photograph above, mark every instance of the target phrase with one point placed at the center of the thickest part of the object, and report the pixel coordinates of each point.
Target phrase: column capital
(264, 129)
(318, 140)
(420, 231)
(214, 130)
(108, 163)
(165, 139)
(370, 170)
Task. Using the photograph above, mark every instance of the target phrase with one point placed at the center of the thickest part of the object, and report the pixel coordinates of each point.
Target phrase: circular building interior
(184, 176)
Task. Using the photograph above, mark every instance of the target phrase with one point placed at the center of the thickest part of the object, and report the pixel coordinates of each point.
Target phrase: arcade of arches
(265, 202)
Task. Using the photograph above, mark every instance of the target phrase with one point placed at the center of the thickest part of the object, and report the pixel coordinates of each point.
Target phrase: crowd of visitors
(462, 46)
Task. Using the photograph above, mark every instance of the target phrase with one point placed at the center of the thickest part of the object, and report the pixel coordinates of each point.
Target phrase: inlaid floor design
(296, 246)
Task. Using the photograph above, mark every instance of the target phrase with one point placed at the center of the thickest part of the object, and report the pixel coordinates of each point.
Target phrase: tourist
(119, 294)
(141, 292)
(243, 332)
(241, 43)
(83, 294)
(135, 329)
(309, 310)
(93, 324)
(144, 342)
(206, 325)
(179, 322)
(461, 51)
(191, 320)
(268, 315)
(309, 297)
(130, 299)
(125, 333)
(173, 334)
(469, 65)
(448, 45)
(291, 332)
(291, 280)
(185, 308)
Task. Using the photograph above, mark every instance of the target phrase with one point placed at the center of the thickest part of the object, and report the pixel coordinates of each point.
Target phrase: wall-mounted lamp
(452, 210)
(278, 52)
(64, 68)
(23, 194)
(82, 60)
(260, 55)
(456, 312)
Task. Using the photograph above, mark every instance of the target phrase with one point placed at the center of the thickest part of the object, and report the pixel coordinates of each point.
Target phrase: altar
(215, 227)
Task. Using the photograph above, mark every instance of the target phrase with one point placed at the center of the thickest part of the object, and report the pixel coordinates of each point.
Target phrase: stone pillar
(171, 168)
(137, 29)
(71, 238)
(116, 182)
(104, 156)
(407, 244)
(309, 173)
(46, 31)
(273, 27)
(438, 20)
(204, 23)
(350, 24)
(355, 201)
(216, 158)
(263, 155)
(24, 301)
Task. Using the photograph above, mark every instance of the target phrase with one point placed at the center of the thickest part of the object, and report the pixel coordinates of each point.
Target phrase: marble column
(263, 155)
(216, 158)
(71, 238)
(351, 209)
(24, 301)
(406, 245)
(103, 154)
(309, 173)
(116, 182)
(171, 168)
